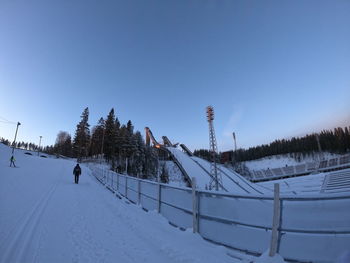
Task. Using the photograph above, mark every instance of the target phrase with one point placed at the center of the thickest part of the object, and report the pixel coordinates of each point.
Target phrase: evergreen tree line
(206, 154)
(23, 145)
(334, 141)
(122, 147)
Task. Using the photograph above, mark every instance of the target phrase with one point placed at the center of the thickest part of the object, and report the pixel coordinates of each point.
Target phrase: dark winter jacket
(77, 170)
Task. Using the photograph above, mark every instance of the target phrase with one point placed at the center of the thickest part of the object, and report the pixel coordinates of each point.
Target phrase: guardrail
(301, 169)
(309, 229)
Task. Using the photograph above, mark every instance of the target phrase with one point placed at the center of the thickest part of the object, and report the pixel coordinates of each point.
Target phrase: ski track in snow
(20, 240)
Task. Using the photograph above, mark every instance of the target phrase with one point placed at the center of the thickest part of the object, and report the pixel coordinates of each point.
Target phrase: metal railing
(306, 225)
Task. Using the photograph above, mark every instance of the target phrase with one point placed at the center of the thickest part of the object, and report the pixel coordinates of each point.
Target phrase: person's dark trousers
(12, 162)
(76, 178)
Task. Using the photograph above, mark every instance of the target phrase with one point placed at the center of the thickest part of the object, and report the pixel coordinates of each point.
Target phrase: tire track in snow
(16, 247)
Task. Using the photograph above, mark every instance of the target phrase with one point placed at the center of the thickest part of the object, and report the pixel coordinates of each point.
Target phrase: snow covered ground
(231, 180)
(175, 176)
(45, 217)
(310, 184)
(277, 161)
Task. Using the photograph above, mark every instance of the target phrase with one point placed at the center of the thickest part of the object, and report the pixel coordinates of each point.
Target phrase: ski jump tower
(216, 179)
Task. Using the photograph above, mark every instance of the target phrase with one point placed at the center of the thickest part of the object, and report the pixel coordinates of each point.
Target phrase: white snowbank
(265, 258)
(175, 176)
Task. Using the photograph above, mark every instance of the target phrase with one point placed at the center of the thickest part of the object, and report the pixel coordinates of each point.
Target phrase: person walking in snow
(12, 161)
(77, 173)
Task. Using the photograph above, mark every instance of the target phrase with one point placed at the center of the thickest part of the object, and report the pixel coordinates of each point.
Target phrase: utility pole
(234, 153)
(39, 144)
(234, 139)
(158, 172)
(14, 141)
(319, 146)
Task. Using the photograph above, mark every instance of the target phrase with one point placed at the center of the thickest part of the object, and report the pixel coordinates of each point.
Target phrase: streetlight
(14, 141)
(39, 144)
(234, 153)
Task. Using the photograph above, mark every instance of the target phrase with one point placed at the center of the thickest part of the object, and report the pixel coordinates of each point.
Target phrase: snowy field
(310, 184)
(278, 161)
(45, 217)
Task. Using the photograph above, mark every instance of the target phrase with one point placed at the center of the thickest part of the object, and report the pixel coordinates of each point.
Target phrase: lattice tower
(216, 179)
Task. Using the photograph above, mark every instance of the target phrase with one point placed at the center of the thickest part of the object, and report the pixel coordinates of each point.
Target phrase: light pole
(319, 147)
(216, 179)
(39, 144)
(103, 141)
(14, 141)
(158, 172)
(234, 153)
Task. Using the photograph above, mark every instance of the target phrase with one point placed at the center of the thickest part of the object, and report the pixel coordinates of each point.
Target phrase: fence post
(107, 176)
(138, 191)
(276, 221)
(194, 205)
(126, 186)
(117, 182)
(198, 210)
(112, 186)
(159, 196)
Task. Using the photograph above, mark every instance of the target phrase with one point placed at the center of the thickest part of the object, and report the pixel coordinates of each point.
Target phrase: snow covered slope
(313, 183)
(277, 161)
(192, 169)
(310, 184)
(200, 169)
(45, 217)
(175, 176)
(231, 180)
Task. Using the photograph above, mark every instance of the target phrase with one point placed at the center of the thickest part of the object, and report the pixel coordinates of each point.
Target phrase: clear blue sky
(271, 69)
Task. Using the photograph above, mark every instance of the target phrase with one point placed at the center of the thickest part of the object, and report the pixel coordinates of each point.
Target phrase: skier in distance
(12, 161)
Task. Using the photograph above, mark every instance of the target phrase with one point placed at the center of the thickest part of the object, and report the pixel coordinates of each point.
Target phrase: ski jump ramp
(198, 168)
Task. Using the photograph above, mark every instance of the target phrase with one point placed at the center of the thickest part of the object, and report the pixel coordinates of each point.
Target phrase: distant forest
(334, 141)
(125, 149)
(24, 145)
(122, 147)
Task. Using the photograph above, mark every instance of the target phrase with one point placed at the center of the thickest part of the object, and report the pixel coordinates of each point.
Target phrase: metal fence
(308, 229)
(301, 169)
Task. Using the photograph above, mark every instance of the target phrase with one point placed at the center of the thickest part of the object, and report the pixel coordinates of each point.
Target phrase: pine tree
(67, 146)
(82, 135)
(97, 138)
(63, 145)
(347, 139)
(164, 175)
(110, 137)
(139, 154)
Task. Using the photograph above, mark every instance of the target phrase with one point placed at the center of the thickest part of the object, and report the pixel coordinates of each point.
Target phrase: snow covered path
(45, 217)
